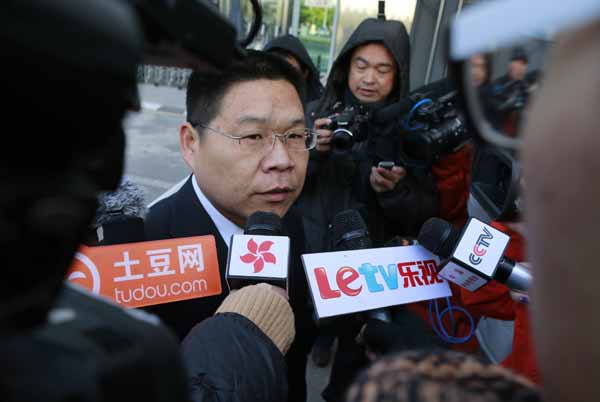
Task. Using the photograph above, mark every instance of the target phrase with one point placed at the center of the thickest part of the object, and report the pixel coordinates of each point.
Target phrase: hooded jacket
(394, 37)
(291, 44)
(338, 182)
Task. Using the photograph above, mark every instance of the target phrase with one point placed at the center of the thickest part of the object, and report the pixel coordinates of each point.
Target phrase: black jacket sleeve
(229, 359)
(414, 199)
(410, 204)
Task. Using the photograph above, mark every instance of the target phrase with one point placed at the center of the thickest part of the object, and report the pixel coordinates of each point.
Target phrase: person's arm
(410, 203)
(241, 349)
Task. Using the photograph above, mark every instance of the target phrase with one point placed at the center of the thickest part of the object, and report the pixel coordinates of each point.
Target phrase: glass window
(352, 12)
(275, 21)
(315, 29)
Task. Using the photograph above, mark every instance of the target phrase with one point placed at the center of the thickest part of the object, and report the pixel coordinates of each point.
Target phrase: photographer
(59, 343)
(372, 71)
(508, 94)
(293, 51)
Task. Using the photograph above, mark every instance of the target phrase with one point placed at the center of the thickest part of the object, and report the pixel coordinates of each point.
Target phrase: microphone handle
(514, 275)
(381, 314)
(520, 278)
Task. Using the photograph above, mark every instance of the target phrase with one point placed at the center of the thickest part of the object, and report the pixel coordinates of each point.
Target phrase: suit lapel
(191, 219)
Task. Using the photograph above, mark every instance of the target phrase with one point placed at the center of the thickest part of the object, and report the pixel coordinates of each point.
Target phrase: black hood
(394, 37)
(291, 44)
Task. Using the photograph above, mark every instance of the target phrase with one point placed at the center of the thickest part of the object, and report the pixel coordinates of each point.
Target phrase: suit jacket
(182, 215)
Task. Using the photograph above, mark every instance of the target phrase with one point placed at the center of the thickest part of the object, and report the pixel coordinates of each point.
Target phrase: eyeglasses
(301, 139)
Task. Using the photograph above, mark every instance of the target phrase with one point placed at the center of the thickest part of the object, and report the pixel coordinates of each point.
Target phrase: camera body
(512, 96)
(436, 128)
(346, 127)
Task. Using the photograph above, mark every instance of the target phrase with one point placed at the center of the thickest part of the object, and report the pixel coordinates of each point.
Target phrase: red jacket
(453, 177)
(494, 300)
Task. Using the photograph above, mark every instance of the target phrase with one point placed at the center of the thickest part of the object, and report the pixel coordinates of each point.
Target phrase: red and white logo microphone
(261, 254)
(474, 256)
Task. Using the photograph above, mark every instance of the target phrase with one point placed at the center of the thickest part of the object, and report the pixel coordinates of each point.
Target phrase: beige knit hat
(267, 309)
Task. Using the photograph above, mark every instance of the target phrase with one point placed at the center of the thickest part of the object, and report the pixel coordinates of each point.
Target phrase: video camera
(435, 128)
(346, 127)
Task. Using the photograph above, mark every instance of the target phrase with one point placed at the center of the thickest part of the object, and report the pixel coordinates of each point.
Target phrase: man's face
(372, 73)
(517, 69)
(478, 70)
(240, 182)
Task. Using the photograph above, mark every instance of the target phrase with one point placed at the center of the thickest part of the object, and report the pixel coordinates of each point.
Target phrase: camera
(435, 128)
(512, 97)
(346, 127)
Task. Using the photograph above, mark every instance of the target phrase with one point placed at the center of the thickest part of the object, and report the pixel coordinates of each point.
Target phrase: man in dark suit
(246, 143)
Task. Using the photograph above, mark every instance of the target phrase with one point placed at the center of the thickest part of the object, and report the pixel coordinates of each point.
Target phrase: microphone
(263, 223)
(474, 256)
(261, 254)
(120, 215)
(394, 111)
(350, 233)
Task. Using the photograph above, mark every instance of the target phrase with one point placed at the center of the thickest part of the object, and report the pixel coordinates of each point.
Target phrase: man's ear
(188, 143)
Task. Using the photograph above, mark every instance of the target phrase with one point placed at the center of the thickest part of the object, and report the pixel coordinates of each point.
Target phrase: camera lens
(342, 140)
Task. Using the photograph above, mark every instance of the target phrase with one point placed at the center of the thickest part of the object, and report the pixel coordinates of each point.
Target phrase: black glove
(380, 337)
(406, 331)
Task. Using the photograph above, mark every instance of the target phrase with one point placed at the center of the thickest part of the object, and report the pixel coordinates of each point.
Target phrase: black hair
(427, 376)
(205, 91)
(283, 53)
(519, 53)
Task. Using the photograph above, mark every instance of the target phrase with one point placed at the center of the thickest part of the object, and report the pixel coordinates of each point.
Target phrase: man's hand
(324, 135)
(383, 180)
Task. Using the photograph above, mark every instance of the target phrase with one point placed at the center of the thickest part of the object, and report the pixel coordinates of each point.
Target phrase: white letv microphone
(261, 254)
(475, 256)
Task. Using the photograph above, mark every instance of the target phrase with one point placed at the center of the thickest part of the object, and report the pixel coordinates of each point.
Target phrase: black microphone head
(263, 223)
(350, 231)
(393, 112)
(439, 237)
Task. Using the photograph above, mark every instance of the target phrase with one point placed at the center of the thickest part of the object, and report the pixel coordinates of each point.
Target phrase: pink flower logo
(259, 254)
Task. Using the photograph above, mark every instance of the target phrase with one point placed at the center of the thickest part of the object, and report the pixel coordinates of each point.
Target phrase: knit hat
(267, 309)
